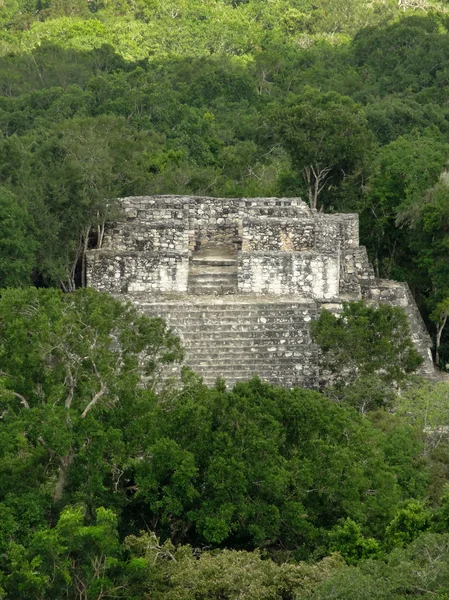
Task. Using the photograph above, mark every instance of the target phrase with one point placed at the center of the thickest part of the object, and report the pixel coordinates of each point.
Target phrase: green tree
(184, 573)
(347, 539)
(62, 359)
(428, 220)
(70, 176)
(409, 522)
(73, 560)
(408, 167)
(17, 244)
(363, 341)
(328, 140)
(273, 467)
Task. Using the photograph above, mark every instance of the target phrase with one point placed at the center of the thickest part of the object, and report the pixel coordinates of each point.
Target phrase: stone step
(232, 379)
(293, 368)
(212, 269)
(209, 261)
(225, 338)
(295, 349)
(235, 367)
(227, 308)
(198, 339)
(239, 339)
(229, 313)
(222, 288)
(232, 320)
(215, 330)
(247, 373)
(214, 306)
(232, 316)
(254, 353)
(216, 278)
(264, 323)
(250, 353)
(231, 371)
(290, 342)
(236, 327)
(294, 379)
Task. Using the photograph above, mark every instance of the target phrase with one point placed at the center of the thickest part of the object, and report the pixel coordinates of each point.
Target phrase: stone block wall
(302, 273)
(217, 220)
(137, 271)
(278, 234)
(214, 222)
(355, 269)
(220, 222)
(156, 237)
(150, 224)
(336, 231)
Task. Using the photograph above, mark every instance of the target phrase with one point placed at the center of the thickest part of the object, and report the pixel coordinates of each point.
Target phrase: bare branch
(72, 382)
(315, 177)
(23, 401)
(95, 399)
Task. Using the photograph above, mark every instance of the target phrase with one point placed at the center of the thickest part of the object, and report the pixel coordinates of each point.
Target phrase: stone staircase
(237, 337)
(213, 271)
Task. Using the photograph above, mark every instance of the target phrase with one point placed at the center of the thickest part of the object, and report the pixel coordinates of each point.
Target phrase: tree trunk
(315, 177)
(83, 256)
(64, 464)
(440, 327)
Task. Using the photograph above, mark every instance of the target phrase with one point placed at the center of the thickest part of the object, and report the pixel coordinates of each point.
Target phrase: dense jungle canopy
(114, 489)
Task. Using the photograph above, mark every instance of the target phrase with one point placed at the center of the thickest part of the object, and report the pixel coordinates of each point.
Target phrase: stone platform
(241, 279)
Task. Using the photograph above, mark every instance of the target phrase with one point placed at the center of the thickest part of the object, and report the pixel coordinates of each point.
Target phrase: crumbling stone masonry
(241, 279)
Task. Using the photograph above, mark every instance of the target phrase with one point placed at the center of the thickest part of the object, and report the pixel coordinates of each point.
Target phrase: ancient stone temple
(241, 279)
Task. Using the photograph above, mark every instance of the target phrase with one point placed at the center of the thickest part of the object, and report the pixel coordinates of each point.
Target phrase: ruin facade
(241, 279)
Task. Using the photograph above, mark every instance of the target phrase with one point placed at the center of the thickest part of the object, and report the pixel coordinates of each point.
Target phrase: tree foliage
(328, 140)
(96, 446)
(363, 341)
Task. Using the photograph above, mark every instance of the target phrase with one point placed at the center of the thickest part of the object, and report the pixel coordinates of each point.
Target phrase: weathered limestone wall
(278, 235)
(355, 270)
(128, 272)
(333, 230)
(309, 273)
(301, 232)
(164, 229)
(148, 249)
(217, 222)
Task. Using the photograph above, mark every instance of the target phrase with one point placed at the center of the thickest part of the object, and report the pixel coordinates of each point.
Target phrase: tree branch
(72, 383)
(23, 401)
(95, 399)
